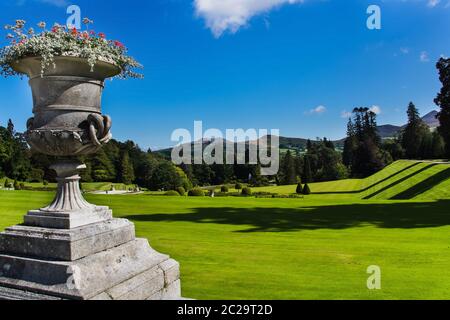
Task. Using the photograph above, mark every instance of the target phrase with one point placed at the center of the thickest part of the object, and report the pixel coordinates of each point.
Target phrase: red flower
(55, 29)
(102, 35)
(74, 31)
(119, 44)
(92, 33)
(85, 35)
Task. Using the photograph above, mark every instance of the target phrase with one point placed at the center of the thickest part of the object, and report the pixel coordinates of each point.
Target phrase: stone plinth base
(102, 261)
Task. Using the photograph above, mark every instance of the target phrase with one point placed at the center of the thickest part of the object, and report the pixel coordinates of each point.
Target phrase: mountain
(385, 131)
(431, 119)
(390, 131)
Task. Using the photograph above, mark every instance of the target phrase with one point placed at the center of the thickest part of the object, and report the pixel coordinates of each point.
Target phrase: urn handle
(99, 128)
(30, 123)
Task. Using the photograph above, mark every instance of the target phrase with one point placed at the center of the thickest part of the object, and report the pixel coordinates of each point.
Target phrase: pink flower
(119, 44)
(102, 35)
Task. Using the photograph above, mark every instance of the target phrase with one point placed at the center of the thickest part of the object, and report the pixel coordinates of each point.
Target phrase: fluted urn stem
(68, 197)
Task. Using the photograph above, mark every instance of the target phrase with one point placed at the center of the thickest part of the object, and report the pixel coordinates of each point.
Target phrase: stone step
(67, 220)
(131, 271)
(65, 244)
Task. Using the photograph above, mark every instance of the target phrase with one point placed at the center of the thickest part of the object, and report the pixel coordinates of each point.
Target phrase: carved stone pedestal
(74, 250)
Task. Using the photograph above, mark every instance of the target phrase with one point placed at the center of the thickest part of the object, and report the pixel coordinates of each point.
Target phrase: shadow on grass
(390, 215)
(399, 181)
(371, 186)
(424, 185)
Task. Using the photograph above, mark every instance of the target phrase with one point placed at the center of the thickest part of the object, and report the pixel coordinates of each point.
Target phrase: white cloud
(318, 110)
(433, 3)
(223, 15)
(404, 50)
(424, 56)
(376, 110)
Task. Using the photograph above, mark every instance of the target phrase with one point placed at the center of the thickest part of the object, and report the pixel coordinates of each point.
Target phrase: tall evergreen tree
(414, 133)
(10, 128)
(126, 169)
(350, 145)
(438, 146)
(307, 173)
(443, 101)
(103, 167)
(288, 170)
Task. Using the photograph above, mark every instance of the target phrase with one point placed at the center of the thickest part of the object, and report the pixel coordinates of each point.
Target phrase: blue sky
(292, 65)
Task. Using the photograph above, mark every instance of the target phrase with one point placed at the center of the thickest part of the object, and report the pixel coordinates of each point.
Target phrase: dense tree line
(363, 154)
(321, 162)
(417, 141)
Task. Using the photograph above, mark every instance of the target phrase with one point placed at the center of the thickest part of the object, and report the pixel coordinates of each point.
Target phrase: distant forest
(364, 153)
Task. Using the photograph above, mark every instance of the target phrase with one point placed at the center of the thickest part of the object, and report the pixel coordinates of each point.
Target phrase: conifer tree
(443, 101)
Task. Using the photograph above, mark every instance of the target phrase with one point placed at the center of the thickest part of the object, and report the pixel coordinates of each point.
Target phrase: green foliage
(172, 193)
(246, 191)
(238, 186)
(443, 101)
(362, 152)
(16, 185)
(181, 191)
(224, 189)
(415, 134)
(288, 173)
(126, 169)
(299, 188)
(196, 193)
(103, 167)
(165, 177)
(6, 184)
(36, 175)
(306, 190)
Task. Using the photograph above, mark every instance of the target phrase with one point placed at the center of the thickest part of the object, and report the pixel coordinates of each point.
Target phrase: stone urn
(67, 122)
(67, 106)
(72, 249)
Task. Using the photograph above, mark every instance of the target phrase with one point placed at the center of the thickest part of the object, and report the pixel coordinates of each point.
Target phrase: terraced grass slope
(402, 180)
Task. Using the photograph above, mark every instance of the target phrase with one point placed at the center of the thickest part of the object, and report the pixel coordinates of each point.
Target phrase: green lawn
(318, 247)
(247, 248)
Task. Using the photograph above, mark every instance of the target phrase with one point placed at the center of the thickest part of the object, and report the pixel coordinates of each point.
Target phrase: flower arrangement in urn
(60, 41)
(67, 69)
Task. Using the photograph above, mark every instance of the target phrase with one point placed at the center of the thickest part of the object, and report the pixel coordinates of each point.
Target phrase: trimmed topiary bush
(224, 189)
(299, 189)
(172, 193)
(181, 191)
(16, 185)
(238, 186)
(306, 190)
(247, 192)
(196, 193)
